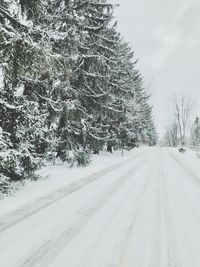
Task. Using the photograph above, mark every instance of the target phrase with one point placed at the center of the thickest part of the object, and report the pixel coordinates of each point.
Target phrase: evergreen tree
(196, 133)
(22, 109)
(69, 86)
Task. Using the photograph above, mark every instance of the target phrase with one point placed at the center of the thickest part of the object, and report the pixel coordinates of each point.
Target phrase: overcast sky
(165, 35)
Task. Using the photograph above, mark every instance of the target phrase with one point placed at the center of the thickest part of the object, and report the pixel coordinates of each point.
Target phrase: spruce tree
(69, 86)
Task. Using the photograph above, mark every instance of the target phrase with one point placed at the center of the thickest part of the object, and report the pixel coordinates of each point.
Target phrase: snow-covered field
(139, 210)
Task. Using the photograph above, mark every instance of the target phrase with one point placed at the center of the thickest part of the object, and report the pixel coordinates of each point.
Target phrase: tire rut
(172, 260)
(54, 245)
(127, 236)
(40, 204)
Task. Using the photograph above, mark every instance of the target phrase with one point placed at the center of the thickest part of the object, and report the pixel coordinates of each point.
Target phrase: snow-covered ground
(58, 176)
(140, 210)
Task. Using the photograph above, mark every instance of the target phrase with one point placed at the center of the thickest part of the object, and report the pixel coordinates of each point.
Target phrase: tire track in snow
(40, 204)
(186, 207)
(172, 260)
(193, 177)
(12, 236)
(155, 253)
(51, 248)
(192, 180)
(110, 245)
(175, 231)
(105, 233)
(135, 243)
(133, 222)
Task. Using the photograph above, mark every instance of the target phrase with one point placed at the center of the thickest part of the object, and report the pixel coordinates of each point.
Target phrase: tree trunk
(109, 148)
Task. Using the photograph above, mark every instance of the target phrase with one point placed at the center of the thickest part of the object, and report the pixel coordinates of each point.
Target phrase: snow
(140, 210)
(1, 78)
(56, 177)
(19, 90)
(190, 158)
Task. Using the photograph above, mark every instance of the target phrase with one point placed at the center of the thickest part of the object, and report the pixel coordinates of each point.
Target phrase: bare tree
(174, 134)
(171, 136)
(183, 107)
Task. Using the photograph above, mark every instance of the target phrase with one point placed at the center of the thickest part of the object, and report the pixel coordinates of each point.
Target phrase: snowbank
(56, 177)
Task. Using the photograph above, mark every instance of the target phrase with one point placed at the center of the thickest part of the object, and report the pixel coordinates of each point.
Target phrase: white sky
(165, 35)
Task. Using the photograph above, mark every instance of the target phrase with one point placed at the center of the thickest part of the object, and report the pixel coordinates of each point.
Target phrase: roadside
(59, 176)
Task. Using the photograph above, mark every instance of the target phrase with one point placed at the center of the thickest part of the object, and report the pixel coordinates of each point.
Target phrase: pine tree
(22, 109)
(69, 86)
(88, 72)
(196, 133)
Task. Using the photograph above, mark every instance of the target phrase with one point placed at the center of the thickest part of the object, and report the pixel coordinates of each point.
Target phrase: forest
(69, 86)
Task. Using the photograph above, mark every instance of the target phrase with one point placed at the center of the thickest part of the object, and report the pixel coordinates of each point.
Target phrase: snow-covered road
(142, 211)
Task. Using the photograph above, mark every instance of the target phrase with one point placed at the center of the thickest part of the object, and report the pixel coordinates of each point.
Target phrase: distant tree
(171, 136)
(183, 107)
(195, 133)
(174, 134)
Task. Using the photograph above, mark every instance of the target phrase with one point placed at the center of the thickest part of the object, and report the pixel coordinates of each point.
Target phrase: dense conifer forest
(69, 86)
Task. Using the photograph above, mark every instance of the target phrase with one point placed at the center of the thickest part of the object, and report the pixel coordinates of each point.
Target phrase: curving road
(142, 212)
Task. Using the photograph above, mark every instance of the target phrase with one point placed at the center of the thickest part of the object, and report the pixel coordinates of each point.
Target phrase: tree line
(185, 127)
(69, 86)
